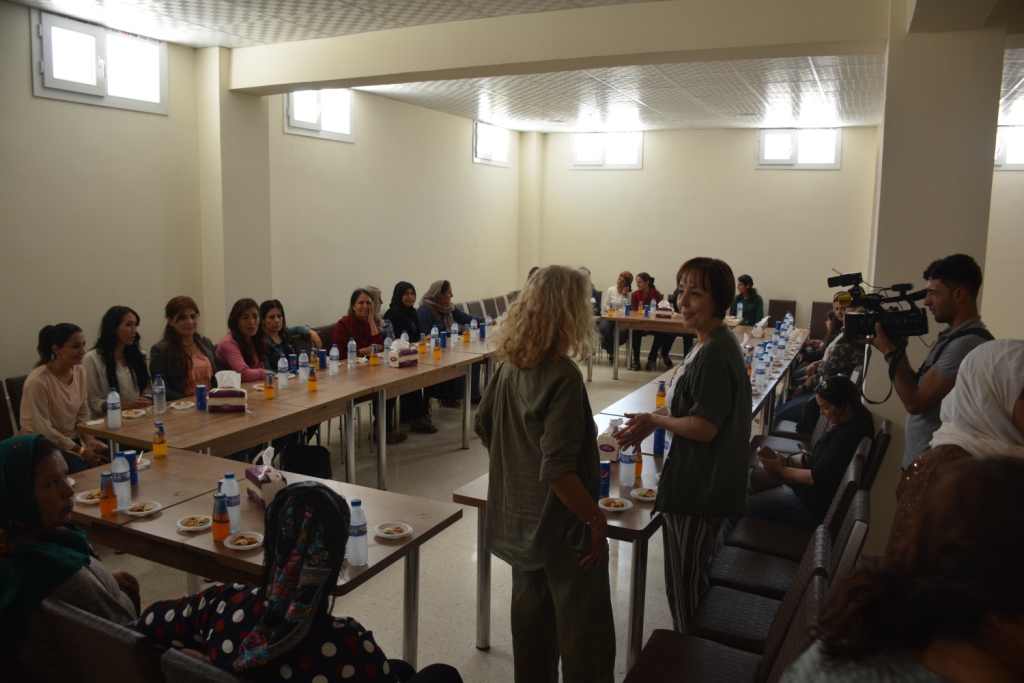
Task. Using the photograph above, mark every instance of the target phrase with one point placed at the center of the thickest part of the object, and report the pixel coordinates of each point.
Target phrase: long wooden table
(183, 483)
(635, 526)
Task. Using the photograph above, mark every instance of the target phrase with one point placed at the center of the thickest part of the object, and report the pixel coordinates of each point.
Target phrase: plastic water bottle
(282, 373)
(335, 360)
(234, 500)
(487, 320)
(435, 338)
(455, 334)
(473, 325)
(121, 474)
(352, 351)
(388, 341)
(627, 467)
(303, 368)
(405, 336)
(739, 311)
(159, 395)
(114, 409)
(760, 373)
(356, 547)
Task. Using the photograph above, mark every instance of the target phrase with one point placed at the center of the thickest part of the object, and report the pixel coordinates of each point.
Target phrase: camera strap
(976, 331)
(897, 355)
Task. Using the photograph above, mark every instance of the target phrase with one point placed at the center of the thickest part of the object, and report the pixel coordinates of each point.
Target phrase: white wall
(98, 206)
(405, 202)
(699, 195)
(1003, 261)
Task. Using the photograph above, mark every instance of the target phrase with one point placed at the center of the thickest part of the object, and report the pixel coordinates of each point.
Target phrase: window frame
(601, 164)
(314, 130)
(1000, 155)
(44, 84)
(795, 164)
(479, 158)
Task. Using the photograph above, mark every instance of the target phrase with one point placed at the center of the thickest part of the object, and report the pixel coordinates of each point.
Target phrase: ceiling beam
(596, 37)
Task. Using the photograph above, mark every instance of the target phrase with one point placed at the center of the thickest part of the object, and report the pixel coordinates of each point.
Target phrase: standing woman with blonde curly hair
(536, 422)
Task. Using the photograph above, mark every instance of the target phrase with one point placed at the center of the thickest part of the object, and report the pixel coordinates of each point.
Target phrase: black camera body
(911, 322)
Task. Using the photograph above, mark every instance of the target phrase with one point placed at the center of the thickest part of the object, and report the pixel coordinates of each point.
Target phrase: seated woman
(55, 398)
(614, 298)
(43, 555)
(645, 295)
(436, 308)
(807, 493)
(982, 416)
(753, 304)
(278, 337)
(382, 323)
(814, 349)
(840, 358)
(949, 607)
(359, 324)
(283, 629)
(402, 317)
(117, 361)
(184, 357)
(242, 347)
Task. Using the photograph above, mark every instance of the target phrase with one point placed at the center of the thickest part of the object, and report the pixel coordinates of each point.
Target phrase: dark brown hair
(54, 335)
(107, 344)
(956, 568)
(176, 354)
(252, 349)
(713, 275)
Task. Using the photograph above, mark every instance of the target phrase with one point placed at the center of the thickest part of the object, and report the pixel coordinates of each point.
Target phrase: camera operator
(952, 298)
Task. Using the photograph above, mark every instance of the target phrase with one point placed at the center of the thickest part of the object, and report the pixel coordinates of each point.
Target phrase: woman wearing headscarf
(402, 317)
(983, 416)
(43, 555)
(614, 298)
(436, 308)
(544, 520)
(283, 628)
(383, 324)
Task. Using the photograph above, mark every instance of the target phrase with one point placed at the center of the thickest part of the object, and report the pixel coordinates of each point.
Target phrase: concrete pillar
(531, 192)
(933, 186)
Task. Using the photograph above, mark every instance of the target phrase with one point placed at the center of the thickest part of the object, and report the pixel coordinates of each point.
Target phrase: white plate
(81, 498)
(157, 507)
(198, 527)
(379, 529)
(635, 494)
(142, 464)
(183, 405)
(229, 542)
(133, 413)
(258, 387)
(755, 391)
(625, 507)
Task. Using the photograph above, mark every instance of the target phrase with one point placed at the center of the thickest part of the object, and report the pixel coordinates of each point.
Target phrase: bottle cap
(229, 475)
(357, 503)
(220, 495)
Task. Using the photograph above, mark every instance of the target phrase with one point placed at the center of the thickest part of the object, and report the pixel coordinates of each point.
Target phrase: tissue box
(227, 400)
(403, 358)
(664, 310)
(757, 332)
(262, 482)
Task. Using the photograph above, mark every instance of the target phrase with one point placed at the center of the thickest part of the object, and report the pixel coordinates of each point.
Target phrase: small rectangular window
(604, 151)
(799, 148)
(490, 144)
(325, 114)
(81, 62)
(1010, 148)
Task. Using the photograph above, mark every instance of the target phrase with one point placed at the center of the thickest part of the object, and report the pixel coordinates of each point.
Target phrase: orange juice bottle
(374, 360)
(638, 469)
(311, 382)
(159, 440)
(465, 334)
(422, 345)
(221, 521)
(659, 398)
(268, 386)
(108, 500)
(437, 352)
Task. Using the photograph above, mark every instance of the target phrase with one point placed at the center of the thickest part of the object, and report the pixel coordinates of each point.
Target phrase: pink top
(52, 408)
(202, 373)
(229, 356)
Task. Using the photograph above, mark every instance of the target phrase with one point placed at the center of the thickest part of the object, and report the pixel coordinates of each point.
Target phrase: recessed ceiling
(795, 91)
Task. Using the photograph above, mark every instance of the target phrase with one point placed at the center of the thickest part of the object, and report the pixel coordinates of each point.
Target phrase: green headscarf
(33, 560)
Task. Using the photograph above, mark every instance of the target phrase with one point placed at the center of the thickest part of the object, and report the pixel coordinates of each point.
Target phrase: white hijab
(977, 414)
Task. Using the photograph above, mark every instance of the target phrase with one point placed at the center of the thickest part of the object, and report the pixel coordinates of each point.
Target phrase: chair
(100, 651)
(178, 667)
(491, 307)
(6, 421)
(777, 309)
(670, 657)
(744, 620)
(511, 296)
(475, 308)
(850, 540)
(819, 314)
(857, 375)
(873, 462)
(787, 540)
(15, 389)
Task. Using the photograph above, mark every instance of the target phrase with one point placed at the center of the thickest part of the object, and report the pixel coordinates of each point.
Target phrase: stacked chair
(768, 585)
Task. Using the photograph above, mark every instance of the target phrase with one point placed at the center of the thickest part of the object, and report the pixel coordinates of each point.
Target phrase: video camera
(910, 322)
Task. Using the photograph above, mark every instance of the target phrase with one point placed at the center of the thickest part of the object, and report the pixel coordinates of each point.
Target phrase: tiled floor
(432, 466)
